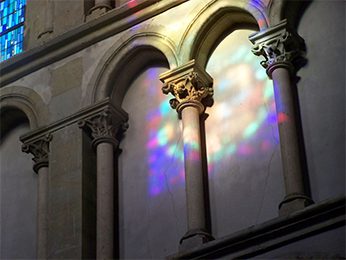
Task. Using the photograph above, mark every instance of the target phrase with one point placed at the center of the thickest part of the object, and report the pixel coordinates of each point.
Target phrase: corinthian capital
(106, 125)
(39, 148)
(279, 45)
(188, 84)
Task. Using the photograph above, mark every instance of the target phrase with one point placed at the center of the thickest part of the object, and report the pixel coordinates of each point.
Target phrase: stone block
(67, 76)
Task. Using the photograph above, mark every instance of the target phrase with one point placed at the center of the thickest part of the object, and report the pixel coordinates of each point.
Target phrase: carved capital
(39, 148)
(105, 126)
(189, 84)
(280, 46)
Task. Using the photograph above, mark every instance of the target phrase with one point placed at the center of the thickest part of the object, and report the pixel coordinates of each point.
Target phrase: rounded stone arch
(21, 111)
(123, 61)
(214, 22)
(21, 104)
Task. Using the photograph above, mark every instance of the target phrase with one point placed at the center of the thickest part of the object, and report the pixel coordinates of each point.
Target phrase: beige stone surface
(67, 76)
(84, 61)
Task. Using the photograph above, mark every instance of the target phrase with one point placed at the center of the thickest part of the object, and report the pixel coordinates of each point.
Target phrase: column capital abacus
(281, 47)
(106, 126)
(39, 148)
(190, 85)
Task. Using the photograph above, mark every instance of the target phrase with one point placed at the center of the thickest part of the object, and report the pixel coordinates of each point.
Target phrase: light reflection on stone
(242, 121)
(244, 111)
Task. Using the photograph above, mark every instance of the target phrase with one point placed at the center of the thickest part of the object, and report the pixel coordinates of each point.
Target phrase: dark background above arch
(10, 118)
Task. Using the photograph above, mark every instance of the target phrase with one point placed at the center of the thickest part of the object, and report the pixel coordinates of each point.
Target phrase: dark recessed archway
(11, 117)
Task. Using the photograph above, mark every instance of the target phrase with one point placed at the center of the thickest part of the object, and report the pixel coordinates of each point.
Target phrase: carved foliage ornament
(188, 88)
(104, 127)
(40, 150)
(286, 47)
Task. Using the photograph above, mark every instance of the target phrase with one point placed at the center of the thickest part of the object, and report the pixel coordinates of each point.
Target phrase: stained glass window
(12, 13)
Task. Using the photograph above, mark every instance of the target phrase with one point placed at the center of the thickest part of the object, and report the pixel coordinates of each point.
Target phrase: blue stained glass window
(12, 14)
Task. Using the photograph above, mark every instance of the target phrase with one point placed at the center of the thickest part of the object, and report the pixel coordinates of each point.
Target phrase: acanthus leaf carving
(103, 127)
(283, 46)
(39, 148)
(188, 88)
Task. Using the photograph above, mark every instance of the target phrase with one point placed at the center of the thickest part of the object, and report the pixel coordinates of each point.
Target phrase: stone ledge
(274, 233)
(73, 119)
(89, 33)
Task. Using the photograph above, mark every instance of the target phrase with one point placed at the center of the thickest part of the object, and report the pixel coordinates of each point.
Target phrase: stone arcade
(175, 129)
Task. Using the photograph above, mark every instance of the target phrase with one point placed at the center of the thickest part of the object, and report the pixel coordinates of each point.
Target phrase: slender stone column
(283, 50)
(40, 149)
(192, 88)
(105, 128)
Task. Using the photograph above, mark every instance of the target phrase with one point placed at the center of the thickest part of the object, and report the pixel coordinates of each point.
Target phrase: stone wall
(120, 55)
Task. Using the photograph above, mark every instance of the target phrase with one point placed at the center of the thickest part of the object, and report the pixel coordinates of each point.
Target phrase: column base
(194, 238)
(294, 202)
(97, 11)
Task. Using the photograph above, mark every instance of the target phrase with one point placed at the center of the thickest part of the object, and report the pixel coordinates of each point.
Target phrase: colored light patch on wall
(259, 4)
(244, 108)
(242, 121)
(132, 3)
(164, 138)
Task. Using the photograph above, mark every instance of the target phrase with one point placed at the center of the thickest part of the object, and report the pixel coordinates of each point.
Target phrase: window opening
(12, 15)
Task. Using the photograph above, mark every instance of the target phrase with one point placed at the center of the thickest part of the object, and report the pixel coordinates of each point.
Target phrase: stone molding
(202, 234)
(274, 233)
(280, 46)
(215, 19)
(39, 148)
(26, 100)
(113, 22)
(190, 85)
(106, 126)
(301, 201)
(113, 66)
(83, 114)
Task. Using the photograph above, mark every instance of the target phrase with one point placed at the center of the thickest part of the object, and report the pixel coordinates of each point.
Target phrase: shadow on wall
(10, 119)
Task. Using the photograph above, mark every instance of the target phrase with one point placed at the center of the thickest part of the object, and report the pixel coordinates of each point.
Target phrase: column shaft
(284, 52)
(192, 89)
(49, 21)
(48, 24)
(290, 152)
(106, 126)
(39, 148)
(42, 212)
(193, 169)
(105, 191)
